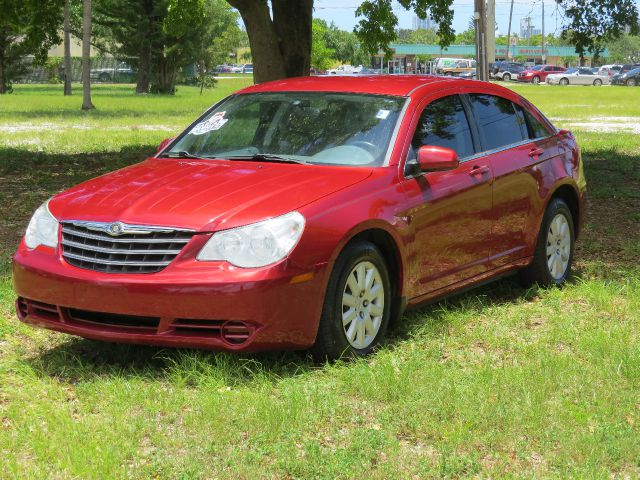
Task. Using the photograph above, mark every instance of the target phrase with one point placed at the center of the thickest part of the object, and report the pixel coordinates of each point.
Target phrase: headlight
(42, 229)
(255, 245)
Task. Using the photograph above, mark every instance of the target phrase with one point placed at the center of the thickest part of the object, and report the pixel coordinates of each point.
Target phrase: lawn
(499, 382)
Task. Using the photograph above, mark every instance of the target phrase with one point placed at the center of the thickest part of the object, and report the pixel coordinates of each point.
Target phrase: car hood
(201, 195)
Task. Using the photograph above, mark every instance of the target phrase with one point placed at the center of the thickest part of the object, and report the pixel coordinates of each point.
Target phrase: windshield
(571, 70)
(537, 67)
(306, 127)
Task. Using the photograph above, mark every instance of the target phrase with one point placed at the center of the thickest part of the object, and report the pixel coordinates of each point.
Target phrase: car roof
(397, 85)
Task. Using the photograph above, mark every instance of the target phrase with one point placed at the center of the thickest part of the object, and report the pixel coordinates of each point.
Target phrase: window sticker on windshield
(216, 122)
(382, 114)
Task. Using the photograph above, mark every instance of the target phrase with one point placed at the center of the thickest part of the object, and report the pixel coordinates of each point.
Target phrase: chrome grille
(136, 250)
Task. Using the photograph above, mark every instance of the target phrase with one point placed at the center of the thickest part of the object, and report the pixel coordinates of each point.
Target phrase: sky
(342, 13)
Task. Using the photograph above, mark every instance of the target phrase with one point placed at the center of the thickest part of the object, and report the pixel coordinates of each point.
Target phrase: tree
(592, 23)
(27, 28)
(280, 36)
(425, 36)
(67, 48)
(322, 57)
(86, 56)
(161, 37)
(625, 49)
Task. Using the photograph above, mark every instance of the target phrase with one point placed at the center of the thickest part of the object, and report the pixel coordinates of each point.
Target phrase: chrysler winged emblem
(115, 228)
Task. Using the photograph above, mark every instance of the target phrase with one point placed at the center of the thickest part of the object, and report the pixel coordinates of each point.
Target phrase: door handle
(536, 152)
(479, 170)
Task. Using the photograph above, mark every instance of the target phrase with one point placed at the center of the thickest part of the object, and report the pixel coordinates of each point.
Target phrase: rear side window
(443, 123)
(498, 123)
(534, 127)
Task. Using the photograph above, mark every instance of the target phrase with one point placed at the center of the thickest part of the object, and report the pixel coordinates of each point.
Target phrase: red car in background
(308, 213)
(538, 73)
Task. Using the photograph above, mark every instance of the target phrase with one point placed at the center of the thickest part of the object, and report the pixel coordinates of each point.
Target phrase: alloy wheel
(536, 80)
(558, 246)
(362, 305)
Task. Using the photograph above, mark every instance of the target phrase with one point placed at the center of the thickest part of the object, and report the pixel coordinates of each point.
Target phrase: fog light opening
(236, 333)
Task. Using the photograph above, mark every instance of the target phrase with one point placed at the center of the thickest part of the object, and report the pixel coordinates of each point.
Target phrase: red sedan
(538, 73)
(308, 213)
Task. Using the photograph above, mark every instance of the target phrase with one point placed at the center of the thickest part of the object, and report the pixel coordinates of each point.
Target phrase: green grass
(499, 382)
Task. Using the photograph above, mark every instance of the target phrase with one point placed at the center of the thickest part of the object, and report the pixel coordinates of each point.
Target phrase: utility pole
(509, 33)
(544, 56)
(491, 31)
(480, 18)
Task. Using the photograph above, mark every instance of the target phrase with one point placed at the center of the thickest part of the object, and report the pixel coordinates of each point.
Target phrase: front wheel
(553, 255)
(357, 304)
(631, 82)
(564, 82)
(536, 80)
(506, 77)
(597, 82)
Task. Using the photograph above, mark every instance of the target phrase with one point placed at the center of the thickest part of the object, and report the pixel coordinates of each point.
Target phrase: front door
(449, 213)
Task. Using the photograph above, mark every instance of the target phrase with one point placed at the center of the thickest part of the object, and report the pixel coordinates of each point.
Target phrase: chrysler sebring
(308, 214)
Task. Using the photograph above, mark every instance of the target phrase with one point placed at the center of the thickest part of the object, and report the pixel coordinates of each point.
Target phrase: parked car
(458, 67)
(538, 73)
(247, 68)
(469, 74)
(577, 76)
(609, 70)
(308, 213)
(630, 78)
(235, 69)
(121, 72)
(345, 70)
(506, 70)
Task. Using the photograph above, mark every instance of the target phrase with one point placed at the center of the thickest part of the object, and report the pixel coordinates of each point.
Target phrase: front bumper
(192, 304)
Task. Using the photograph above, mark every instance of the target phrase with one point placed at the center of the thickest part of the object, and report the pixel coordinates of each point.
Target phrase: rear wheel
(506, 77)
(553, 255)
(357, 304)
(632, 82)
(535, 80)
(564, 81)
(597, 82)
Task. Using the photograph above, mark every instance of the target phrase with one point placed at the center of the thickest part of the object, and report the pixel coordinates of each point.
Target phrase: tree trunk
(144, 67)
(86, 56)
(67, 50)
(4, 87)
(280, 47)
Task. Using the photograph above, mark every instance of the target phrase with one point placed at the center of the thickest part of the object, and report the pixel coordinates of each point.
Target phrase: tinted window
(443, 123)
(585, 71)
(534, 127)
(498, 123)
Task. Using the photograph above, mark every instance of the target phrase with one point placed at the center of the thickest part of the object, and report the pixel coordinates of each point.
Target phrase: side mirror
(163, 144)
(435, 159)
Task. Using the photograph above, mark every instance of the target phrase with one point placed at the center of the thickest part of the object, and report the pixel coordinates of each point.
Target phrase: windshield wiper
(182, 154)
(267, 157)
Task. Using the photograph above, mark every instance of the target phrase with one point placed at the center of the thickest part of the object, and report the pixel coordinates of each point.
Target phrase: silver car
(578, 76)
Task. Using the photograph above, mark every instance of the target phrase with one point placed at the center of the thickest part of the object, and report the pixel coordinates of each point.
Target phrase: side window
(443, 123)
(498, 123)
(535, 128)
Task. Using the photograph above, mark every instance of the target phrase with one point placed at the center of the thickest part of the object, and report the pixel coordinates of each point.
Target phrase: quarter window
(443, 123)
(535, 128)
(498, 122)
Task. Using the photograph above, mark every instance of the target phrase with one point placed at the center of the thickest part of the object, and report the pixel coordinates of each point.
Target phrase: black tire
(104, 77)
(632, 82)
(535, 80)
(331, 339)
(538, 270)
(506, 77)
(597, 82)
(564, 81)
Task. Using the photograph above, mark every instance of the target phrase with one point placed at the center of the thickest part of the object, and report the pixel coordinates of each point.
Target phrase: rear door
(515, 143)
(449, 213)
